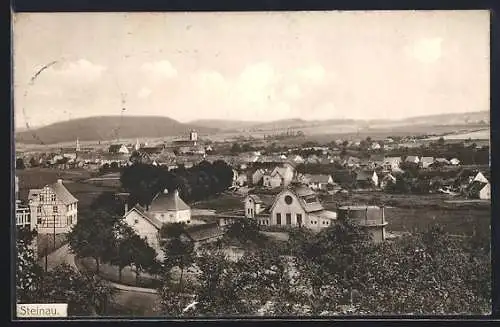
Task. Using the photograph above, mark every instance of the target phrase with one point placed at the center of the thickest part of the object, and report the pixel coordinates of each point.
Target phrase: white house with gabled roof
(54, 208)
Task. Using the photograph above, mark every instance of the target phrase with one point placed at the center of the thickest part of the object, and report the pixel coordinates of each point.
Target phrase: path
(64, 255)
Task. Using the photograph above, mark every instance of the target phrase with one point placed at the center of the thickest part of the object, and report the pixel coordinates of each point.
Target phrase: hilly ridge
(107, 128)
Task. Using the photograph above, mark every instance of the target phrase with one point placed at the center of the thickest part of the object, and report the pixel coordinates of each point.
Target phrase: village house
(344, 178)
(297, 159)
(299, 206)
(352, 162)
(454, 162)
(258, 206)
(412, 159)
(479, 190)
(118, 148)
(317, 181)
(392, 163)
(426, 162)
(54, 208)
(386, 180)
(377, 160)
(366, 179)
(166, 207)
(257, 176)
(280, 176)
(203, 234)
(375, 146)
(24, 218)
(440, 162)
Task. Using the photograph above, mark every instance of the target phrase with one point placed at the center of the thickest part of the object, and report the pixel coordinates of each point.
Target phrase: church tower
(137, 145)
(77, 145)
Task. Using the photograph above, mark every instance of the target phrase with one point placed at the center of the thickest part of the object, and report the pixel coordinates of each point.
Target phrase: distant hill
(223, 124)
(106, 128)
(471, 118)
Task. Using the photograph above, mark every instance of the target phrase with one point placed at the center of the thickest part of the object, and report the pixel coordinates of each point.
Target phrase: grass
(221, 203)
(45, 242)
(110, 273)
(408, 213)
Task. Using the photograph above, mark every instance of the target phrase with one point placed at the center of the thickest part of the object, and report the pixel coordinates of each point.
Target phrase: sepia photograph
(256, 165)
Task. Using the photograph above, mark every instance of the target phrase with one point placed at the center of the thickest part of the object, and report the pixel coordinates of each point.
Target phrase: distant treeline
(144, 181)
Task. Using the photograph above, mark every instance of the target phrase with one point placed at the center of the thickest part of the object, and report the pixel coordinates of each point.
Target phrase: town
(196, 198)
(251, 165)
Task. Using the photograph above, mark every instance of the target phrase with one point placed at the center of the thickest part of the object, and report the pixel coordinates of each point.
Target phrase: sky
(259, 66)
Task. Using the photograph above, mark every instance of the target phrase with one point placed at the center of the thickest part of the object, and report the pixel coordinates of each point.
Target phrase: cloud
(160, 69)
(426, 50)
(144, 92)
(77, 71)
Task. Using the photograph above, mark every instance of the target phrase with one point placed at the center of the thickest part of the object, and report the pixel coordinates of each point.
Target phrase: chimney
(59, 181)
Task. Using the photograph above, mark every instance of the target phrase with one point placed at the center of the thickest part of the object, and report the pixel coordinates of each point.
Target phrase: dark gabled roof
(62, 193)
(204, 232)
(115, 147)
(152, 150)
(364, 175)
(149, 218)
(475, 187)
(168, 202)
(318, 178)
(342, 176)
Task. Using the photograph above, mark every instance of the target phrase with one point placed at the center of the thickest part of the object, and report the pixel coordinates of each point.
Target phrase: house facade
(146, 226)
(119, 148)
(54, 208)
(164, 209)
(392, 163)
(299, 206)
(367, 179)
(168, 208)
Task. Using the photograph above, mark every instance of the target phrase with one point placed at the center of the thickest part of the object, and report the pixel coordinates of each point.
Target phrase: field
(73, 180)
(474, 135)
(409, 213)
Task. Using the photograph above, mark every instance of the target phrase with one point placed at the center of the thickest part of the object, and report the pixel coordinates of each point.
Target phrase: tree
(28, 272)
(235, 148)
(178, 251)
(143, 256)
(85, 293)
(93, 237)
(122, 252)
(33, 162)
(441, 141)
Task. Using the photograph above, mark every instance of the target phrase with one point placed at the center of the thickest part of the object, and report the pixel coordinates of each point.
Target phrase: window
(39, 209)
(39, 221)
(52, 197)
(288, 199)
(278, 218)
(42, 198)
(136, 221)
(54, 209)
(288, 218)
(299, 219)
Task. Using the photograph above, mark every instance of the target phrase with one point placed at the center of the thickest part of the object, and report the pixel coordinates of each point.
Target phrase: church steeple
(77, 145)
(137, 145)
